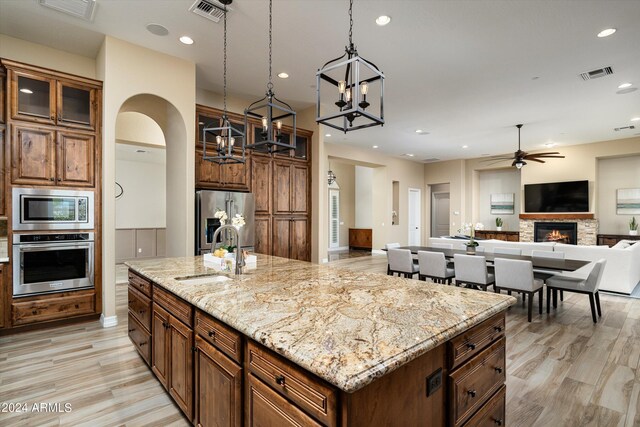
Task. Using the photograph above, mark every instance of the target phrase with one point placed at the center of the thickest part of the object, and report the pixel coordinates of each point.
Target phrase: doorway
(440, 214)
(334, 218)
(414, 217)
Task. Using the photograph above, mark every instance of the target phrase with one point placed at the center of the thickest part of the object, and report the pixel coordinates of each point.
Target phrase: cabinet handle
(498, 422)
(77, 305)
(143, 343)
(498, 370)
(471, 346)
(497, 328)
(59, 118)
(34, 312)
(472, 393)
(141, 311)
(52, 179)
(280, 380)
(212, 334)
(164, 325)
(131, 330)
(53, 117)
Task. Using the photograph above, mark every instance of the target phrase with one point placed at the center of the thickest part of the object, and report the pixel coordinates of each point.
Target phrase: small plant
(498, 222)
(633, 225)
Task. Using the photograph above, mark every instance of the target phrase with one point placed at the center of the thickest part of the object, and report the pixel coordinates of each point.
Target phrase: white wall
(498, 181)
(364, 197)
(613, 174)
(143, 203)
(346, 179)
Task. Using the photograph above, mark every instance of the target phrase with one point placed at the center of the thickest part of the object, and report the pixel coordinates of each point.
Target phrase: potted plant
(471, 229)
(633, 227)
(499, 224)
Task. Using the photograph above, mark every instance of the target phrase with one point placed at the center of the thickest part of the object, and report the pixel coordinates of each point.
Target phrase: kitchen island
(295, 343)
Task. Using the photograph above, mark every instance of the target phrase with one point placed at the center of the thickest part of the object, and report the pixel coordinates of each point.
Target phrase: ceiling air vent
(601, 72)
(212, 10)
(632, 127)
(82, 9)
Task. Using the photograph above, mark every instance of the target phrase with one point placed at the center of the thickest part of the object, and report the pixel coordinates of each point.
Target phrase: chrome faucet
(239, 258)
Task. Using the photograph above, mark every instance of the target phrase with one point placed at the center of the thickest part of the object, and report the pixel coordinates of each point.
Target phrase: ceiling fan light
(519, 164)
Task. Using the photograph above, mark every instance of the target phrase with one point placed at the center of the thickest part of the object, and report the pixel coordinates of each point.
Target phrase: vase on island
(498, 228)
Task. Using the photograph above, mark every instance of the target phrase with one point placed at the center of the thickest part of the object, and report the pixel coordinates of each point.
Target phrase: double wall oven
(52, 251)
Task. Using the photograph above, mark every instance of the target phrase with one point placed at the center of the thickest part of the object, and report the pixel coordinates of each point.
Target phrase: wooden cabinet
(236, 176)
(2, 297)
(218, 388)
(181, 365)
(261, 184)
(290, 192)
(612, 239)
(42, 156)
(3, 78)
(43, 308)
(2, 173)
(161, 350)
(290, 238)
(508, 236)
(49, 99)
(361, 238)
(263, 233)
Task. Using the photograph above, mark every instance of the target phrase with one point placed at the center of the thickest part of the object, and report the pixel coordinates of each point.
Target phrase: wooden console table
(612, 239)
(508, 236)
(361, 238)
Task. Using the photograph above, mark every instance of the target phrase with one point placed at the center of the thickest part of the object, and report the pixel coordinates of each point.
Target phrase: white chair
(508, 251)
(401, 262)
(541, 273)
(387, 247)
(517, 275)
(434, 266)
(583, 285)
(472, 270)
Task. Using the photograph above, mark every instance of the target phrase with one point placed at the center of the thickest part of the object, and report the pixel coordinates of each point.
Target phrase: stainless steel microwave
(44, 209)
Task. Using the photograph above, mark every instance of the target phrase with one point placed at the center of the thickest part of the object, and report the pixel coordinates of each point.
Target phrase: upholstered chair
(401, 262)
(517, 275)
(387, 247)
(572, 282)
(434, 266)
(472, 271)
(541, 273)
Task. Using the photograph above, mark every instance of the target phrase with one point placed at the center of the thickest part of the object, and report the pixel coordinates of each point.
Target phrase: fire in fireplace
(559, 232)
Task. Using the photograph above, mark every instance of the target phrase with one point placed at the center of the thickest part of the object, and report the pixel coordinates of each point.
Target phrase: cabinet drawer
(140, 338)
(53, 308)
(474, 383)
(220, 335)
(140, 307)
(471, 342)
(140, 283)
(306, 391)
(492, 414)
(180, 309)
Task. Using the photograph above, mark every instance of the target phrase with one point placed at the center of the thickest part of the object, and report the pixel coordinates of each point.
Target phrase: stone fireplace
(586, 229)
(558, 232)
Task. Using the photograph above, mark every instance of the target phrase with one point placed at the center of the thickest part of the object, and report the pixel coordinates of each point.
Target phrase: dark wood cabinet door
(299, 182)
(76, 159)
(207, 173)
(181, 365)
(218, 388)
(76, 105)
(2, 315)
(266, 408)
(32, 155)
(2, 178)
(33, 97)
(263, 235)
(299, 240)
(281, 187)
(160, 353)
(261, 184)
(281, 236)
(236, 176)
(3, 78)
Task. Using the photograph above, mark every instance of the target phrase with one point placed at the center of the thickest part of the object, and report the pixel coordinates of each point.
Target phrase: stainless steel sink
(203, 280)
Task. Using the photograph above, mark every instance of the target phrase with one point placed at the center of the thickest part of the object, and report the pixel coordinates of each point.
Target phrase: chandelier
(271, 112)
(348, 80)
(229, 141)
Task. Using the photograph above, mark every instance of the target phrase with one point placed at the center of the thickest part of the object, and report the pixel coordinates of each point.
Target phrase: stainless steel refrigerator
(208, 202)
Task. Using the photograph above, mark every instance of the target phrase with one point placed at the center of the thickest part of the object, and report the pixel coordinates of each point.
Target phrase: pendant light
(348, 82)
(271, 112)
(331, 177)
(229, 141)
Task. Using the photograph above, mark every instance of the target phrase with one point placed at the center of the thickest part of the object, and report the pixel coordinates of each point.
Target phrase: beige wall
(498, 181)
(133, 127)
(453, 173)
(613, 174)
(346, 179)
(43, 56)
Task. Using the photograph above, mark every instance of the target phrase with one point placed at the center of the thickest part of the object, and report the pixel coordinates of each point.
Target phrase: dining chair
(472, 271)
(572, 282)
(387, 247)
(434, 266)
(508, 251)
(401, 262)
(541, 273)
(517, 275)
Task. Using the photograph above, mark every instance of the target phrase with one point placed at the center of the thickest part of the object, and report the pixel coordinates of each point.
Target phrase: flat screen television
(571, 196)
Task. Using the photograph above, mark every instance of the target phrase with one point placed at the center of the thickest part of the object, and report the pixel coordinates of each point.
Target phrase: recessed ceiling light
(375, 146)
(157, 29)
(383, 20)
(328, 135)
(27, 91)
(624, 85)
(419, 131)
(283, 75)
(607, 32)
(636, 119)
(200, 123)
(408, 155)
(465, 146)
(186, 40)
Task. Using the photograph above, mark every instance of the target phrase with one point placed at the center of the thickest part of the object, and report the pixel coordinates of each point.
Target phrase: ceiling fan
(520, 156)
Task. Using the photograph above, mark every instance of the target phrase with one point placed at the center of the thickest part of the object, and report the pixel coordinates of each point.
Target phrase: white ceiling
(461, 70)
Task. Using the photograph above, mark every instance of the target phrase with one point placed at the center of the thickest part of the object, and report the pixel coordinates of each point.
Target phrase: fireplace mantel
(560, 216)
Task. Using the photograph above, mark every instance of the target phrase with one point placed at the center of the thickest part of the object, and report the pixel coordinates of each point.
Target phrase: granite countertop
(346, 327)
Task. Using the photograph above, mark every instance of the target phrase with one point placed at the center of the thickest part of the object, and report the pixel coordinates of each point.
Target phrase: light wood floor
(562, 369)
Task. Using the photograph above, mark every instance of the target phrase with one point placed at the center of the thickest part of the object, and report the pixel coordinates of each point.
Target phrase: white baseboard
(108, 322)
(341, 248)
(378, 251)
